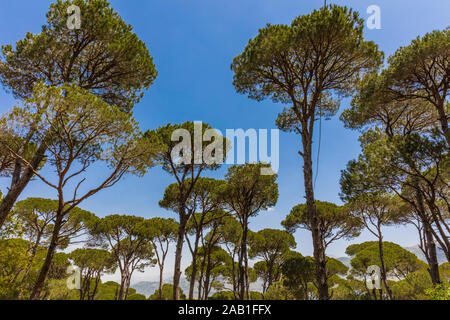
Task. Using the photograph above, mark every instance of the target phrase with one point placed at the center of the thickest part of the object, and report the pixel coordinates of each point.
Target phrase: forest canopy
(75, 130)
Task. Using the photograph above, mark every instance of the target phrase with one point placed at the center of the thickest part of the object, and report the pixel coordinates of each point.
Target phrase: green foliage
(12, 227)
(162, 229)
(230, 231)
(19, 144)
(334, 221)
(298, 274)
(136, 296)
(205, 205)
(93, 263)
(255, 295)
(171, 158)
(103, 56)
(247, 191)
(19, 268)
(202, 198)
(57, 290)
(421, 71)
(167, 293)
(377, 209)
(418, 286)
(336, 267)
(222, 295)
(127, 238)
(77, 89)
(278, 291)
(109, 291)
(126, 235)
(13, 260)
(94, 259)
(282, 60)
(440, 292)
(399, 262)
(413, 287)
(214, 264)
(372, 106)
(37, 217)
(271, 245)
(387, 163)
(103, 132)
(349, 289)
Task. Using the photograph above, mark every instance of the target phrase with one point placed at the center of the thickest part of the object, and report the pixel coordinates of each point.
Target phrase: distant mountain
(147, 288)
(345, 260)
(416, 250)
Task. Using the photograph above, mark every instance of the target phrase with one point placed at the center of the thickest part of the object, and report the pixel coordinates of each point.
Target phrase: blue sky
(193, 43)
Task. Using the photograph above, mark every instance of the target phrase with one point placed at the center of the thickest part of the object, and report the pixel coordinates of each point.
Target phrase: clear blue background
(193, 43)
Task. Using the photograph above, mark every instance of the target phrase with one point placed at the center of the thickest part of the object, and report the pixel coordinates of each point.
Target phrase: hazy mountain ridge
(416, 250)
(147, 288)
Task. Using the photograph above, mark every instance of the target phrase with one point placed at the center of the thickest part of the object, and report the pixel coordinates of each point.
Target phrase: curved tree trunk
(206, 287)
(383, 270)
(431, 255)
(19, 182)
(430, 247)
(123, 281)
(35, 294)
(443, 119)
(30, 264)
(178, 253)
(194, 267)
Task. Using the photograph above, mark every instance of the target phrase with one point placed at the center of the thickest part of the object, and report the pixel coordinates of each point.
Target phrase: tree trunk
(127, 286)
(160, 281)
(48, 259)
(430, 247)
(247, 282)
(431, 255)
(243, 251)
(233, 273)
(194, 268)
(178, 252)
(444, 239)
(200, 285)
(317, 237)
(30, 264)
(201, 288)
(94, 292)
(271, 267)
(383, 269)
(443, 119)
(124, 280)
(192, 281)
(207, 277)
(19, 184)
